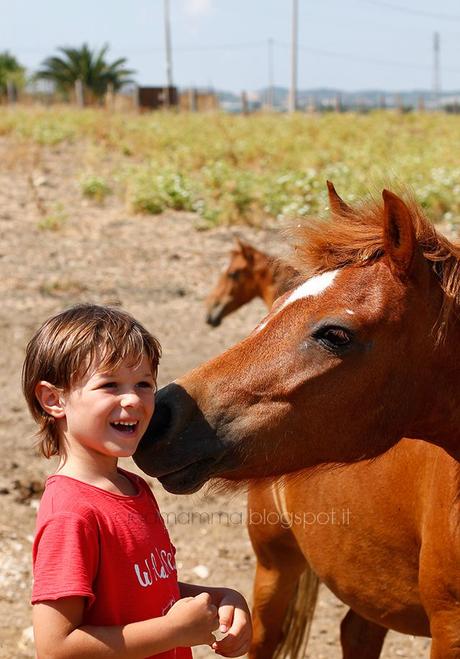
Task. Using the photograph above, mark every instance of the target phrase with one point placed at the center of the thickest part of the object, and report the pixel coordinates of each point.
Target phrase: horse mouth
(188, 479)
(213, 321)
(216, 313)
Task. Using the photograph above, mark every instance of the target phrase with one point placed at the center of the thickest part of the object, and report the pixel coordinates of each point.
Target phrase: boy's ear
(49, 398)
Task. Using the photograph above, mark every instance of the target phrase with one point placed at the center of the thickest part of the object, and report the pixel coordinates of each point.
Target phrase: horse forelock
(357, 239)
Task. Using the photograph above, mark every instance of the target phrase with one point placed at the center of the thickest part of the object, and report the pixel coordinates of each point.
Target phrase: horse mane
(354, 237)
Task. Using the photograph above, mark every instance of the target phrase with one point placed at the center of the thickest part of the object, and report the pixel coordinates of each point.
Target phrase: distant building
(197, 100)
(156, 98)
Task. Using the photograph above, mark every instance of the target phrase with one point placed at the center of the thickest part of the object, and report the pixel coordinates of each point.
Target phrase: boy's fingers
(230, 651)
(226, 617)
(203, 596)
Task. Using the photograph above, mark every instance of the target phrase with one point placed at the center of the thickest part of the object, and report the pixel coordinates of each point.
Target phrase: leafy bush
(151, 192)
(95, 187)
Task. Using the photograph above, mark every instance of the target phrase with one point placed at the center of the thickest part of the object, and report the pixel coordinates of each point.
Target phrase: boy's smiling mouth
(125, 426)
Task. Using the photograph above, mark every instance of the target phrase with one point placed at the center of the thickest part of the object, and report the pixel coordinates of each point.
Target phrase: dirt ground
(160, 269)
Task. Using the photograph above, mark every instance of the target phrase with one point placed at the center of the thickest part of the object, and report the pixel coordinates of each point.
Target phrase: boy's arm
(58, 633)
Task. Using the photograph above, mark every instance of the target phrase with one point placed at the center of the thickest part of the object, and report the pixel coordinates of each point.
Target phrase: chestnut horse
(361, 354)
(251, 273)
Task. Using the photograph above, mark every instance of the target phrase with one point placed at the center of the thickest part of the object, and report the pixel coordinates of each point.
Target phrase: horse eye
(334, 338)
(234, 275)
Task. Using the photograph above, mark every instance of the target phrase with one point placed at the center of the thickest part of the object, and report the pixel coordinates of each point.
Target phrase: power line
(262, 45)
(168, 49)
(271, 84)
(436, 67)
(360, 58)
(410, 10)
(292, 103)
(158, 49)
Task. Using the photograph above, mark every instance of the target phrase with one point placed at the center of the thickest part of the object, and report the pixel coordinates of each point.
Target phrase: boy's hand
(235, 620)
(195, 618)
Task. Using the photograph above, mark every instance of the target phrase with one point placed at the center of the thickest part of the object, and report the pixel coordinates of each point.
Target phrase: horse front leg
(280, 565)
(360, 638)
(445, 633)
(439, 581)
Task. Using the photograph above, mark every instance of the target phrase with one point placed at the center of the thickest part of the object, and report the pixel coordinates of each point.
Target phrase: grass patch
(95, 188)
(241, 169)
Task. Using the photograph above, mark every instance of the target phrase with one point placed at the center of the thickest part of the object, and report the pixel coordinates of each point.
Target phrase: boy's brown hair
(68, 344)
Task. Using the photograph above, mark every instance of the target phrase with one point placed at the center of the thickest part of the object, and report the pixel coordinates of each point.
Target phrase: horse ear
(246, 249)
(336, 203)
(399, 232)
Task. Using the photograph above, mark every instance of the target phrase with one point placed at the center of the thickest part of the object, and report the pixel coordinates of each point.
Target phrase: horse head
(359, 354)
(236, 286)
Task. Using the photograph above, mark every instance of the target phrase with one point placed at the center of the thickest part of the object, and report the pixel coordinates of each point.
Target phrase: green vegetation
(243, 169)
(10, 71)
(95, 187)
(91, 67)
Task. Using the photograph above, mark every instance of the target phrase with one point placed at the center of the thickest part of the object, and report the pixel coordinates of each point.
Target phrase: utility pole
(270, 95)
(436, 69)
(169, 76)
(293, 92)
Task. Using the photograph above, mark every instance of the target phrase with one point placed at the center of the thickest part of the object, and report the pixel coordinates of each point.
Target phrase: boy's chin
(121, 451)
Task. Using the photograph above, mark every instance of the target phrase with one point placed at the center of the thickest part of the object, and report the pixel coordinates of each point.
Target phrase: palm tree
(10, 71)
(96, 74)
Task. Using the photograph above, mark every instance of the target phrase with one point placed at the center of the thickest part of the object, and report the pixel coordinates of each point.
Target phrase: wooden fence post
(79, 93)
(11, 92)
(244, 103)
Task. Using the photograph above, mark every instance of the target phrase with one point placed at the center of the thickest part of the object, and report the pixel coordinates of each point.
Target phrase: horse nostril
(214, 321)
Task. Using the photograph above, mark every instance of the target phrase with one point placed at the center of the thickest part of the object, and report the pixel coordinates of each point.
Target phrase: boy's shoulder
(64, 494)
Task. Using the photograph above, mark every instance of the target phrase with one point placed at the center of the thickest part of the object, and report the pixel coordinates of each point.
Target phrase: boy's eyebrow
(110, 374)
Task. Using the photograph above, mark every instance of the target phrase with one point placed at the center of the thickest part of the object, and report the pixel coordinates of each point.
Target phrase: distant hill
(329, 97)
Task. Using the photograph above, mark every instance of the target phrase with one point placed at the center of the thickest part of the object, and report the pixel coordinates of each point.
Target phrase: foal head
(237, 285)
(361, 353)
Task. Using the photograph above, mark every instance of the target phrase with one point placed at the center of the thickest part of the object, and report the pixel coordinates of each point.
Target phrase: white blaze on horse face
(310, 288)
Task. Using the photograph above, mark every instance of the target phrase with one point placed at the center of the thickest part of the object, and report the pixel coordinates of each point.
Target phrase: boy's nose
(129, 399)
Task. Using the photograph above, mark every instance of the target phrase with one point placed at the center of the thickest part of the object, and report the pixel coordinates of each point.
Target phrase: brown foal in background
(250, 273)
(311, 409)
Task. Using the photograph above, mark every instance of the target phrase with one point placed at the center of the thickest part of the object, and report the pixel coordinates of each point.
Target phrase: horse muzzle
(180, 448)
(215, 315)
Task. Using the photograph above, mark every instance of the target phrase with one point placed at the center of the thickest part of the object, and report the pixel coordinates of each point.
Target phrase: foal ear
(399, 232)
(246, 249)
(336, 203)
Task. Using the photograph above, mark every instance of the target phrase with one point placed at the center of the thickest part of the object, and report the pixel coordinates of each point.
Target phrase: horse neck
(285, 277)
(264, 278)
(272, 277)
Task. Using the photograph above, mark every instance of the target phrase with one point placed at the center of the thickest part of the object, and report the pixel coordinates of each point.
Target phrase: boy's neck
(100, 473)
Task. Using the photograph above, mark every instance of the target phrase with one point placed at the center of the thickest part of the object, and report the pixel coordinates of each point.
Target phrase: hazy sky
(351, 44)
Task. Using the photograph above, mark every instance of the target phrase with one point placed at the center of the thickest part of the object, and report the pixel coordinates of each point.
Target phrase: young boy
(105, 581)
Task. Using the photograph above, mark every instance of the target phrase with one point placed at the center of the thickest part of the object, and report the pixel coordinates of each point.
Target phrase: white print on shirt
(160, 565)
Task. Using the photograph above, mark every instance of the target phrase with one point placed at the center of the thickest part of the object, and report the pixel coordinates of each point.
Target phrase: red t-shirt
(112, 549)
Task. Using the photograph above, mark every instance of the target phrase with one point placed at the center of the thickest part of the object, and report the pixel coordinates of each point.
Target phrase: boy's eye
(145, 384)
(108, 385)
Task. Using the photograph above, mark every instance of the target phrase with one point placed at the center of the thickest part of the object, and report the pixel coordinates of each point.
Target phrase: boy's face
(107, 413)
